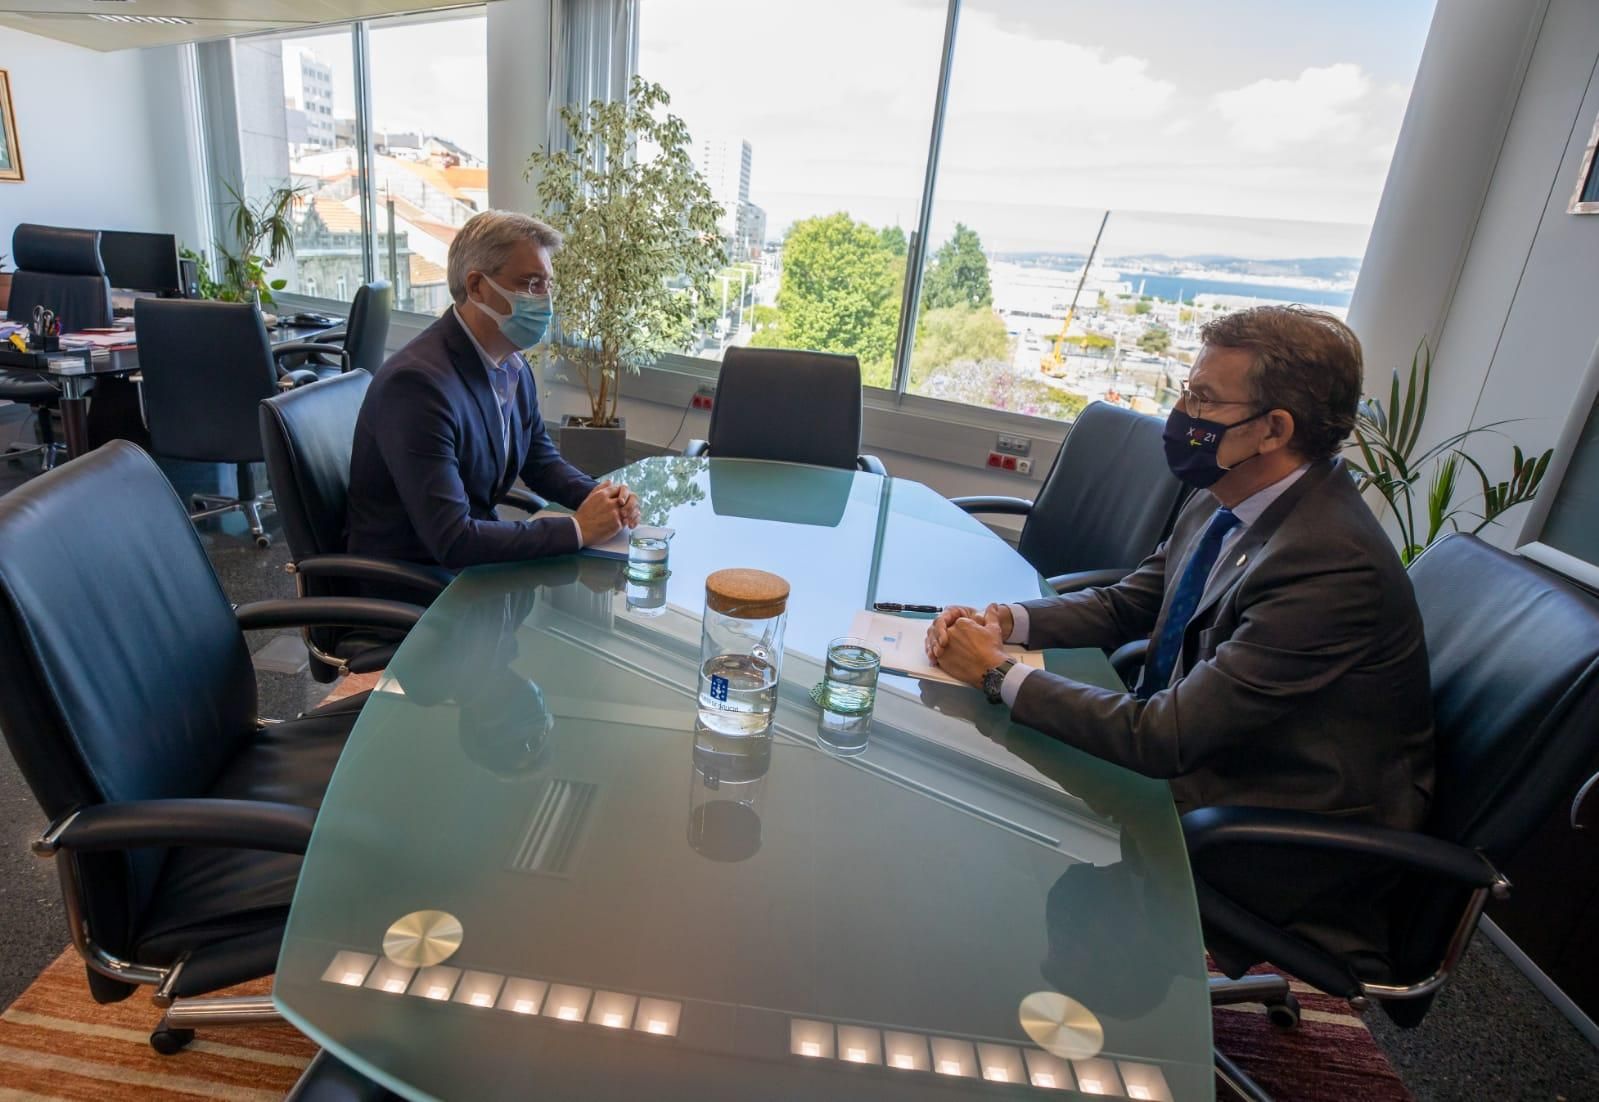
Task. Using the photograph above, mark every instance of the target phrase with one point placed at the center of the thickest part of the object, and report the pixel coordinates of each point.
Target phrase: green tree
(1141, 306)
(958, 273)
(955, 333)
(894, 239)
(1155, 340)
(839, 293)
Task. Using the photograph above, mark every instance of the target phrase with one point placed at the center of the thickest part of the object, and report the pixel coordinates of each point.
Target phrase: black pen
(890, 606)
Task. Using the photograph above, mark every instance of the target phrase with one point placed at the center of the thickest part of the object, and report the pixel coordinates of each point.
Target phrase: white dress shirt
(504, 377)
(1248, 511)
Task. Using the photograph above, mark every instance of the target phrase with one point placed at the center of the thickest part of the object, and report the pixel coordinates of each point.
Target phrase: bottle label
(719, 688)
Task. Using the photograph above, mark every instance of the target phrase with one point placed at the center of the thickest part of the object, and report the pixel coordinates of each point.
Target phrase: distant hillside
(1337, 268)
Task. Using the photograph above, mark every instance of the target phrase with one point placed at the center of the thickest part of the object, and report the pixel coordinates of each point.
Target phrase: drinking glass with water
(849, 687)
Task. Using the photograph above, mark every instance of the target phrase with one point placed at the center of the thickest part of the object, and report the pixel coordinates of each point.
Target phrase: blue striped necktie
(1165, 648)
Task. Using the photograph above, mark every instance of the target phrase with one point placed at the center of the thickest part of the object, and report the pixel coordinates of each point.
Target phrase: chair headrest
(56, 250)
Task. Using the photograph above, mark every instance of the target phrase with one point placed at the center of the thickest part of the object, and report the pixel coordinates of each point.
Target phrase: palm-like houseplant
(642, 245)
(264, 232)
(1387, 443)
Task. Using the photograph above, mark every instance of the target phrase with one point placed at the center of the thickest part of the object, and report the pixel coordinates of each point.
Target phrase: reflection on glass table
(955, 903)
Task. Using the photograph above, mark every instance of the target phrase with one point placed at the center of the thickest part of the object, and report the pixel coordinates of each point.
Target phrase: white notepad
(616, 546)
(902, 643)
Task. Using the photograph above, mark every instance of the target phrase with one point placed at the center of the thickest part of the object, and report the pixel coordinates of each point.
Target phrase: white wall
(104, 138)
(1522, 323)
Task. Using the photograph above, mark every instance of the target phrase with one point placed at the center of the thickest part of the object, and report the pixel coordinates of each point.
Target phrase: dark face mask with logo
(1191, 446)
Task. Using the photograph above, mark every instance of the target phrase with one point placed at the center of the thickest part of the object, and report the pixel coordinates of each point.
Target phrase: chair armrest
(871, 465)
(290, 348)
(1009, 506)
(308, 612)
(136, 824)
(697, 448)
(1087, 579)
(1128, 659)
(1212, 827)
(526, 500)
(419, 576)
(337, 335)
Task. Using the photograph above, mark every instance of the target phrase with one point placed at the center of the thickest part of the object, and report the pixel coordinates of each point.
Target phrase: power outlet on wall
(704, 398)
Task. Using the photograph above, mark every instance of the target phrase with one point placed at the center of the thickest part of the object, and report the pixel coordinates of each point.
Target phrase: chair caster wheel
(1284, 1014)
(263, 542)
(170, 1042)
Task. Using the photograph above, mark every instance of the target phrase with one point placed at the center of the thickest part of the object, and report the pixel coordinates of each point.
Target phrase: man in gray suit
(1286, 665)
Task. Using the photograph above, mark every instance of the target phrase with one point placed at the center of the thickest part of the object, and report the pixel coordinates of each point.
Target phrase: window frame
(360, 54)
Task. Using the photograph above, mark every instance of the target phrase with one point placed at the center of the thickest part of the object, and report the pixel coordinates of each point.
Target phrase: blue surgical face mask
(1191, 446)
(528, 320)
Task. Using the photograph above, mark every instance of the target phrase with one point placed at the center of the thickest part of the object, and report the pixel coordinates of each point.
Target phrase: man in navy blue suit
(452, 419)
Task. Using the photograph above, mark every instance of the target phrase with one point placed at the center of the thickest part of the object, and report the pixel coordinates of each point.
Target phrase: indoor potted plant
(1387, 456)
(642, 246)
(264, 232)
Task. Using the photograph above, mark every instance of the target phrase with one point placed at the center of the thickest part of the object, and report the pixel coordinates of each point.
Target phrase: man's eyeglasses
(1201, 405)
(540, 285)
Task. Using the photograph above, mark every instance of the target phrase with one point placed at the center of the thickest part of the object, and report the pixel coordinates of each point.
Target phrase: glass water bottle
(741, 650)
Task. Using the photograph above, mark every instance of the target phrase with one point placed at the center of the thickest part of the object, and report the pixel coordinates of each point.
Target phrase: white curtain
(594, 54)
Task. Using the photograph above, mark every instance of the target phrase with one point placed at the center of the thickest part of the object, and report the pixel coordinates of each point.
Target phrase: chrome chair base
(1282, 1009)
(50, 454)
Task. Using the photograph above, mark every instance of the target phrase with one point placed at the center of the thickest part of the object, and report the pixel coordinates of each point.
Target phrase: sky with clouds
(1264, 127)
(1251, 127)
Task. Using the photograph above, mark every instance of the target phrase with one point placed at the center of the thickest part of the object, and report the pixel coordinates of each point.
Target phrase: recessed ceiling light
(165, 20)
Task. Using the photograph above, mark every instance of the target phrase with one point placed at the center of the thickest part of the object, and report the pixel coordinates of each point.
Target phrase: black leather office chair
(307, 435)
(357, 345)
(1514, 652)
(129, 703)
(206, 367)
(788, 405)
(1106, 503)
(59, 269)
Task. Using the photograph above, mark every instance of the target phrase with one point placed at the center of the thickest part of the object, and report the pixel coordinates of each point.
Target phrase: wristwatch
(994, 679)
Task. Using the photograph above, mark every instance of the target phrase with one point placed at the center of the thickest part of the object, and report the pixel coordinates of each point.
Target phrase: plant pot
(594, 451)
(5, 289)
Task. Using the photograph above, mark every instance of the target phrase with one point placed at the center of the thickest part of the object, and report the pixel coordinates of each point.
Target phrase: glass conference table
(532, 877)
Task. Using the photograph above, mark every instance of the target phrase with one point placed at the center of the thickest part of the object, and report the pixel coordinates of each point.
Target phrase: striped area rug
(57, 1043)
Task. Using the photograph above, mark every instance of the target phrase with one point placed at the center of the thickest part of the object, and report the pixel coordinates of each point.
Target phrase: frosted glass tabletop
(534, 878)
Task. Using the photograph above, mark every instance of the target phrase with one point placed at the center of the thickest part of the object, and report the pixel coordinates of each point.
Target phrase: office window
(425, 125)
(810, 121)
(430, 147)
(1240, 151)
(296, 105)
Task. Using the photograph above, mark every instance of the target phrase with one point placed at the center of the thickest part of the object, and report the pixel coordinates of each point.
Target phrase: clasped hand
(966, 644)
(609, 508)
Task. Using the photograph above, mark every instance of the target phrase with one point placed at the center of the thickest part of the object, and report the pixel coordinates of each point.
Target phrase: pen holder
(48, 343)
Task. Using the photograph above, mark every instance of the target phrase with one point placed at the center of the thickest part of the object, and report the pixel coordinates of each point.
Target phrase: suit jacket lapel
(1243, 550)
(469, 365)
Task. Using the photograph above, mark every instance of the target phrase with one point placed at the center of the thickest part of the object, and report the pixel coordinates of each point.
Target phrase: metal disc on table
(1062, 1027)
(422, 939)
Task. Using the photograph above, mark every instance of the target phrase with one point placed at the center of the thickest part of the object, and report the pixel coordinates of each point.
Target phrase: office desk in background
(107, 354)
(644, 910)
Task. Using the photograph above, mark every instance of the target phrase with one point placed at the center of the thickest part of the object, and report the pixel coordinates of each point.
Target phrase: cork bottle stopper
(747, 594)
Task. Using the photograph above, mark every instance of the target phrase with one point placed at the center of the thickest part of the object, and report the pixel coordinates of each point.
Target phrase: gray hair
(485, 243)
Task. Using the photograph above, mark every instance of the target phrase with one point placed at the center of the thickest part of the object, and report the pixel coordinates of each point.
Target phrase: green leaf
(278, 284)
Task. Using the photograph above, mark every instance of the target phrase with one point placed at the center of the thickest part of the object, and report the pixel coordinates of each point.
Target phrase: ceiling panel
(130, 24)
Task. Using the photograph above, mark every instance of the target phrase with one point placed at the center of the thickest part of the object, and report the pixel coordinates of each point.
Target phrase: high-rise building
(724, 163)
(316, 100)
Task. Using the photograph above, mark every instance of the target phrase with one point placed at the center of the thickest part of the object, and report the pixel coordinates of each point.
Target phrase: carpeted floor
(1492, 1035)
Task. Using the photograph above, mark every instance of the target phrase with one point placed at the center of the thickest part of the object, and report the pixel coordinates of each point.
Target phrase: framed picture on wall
(10, 152)
(1585, 200)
